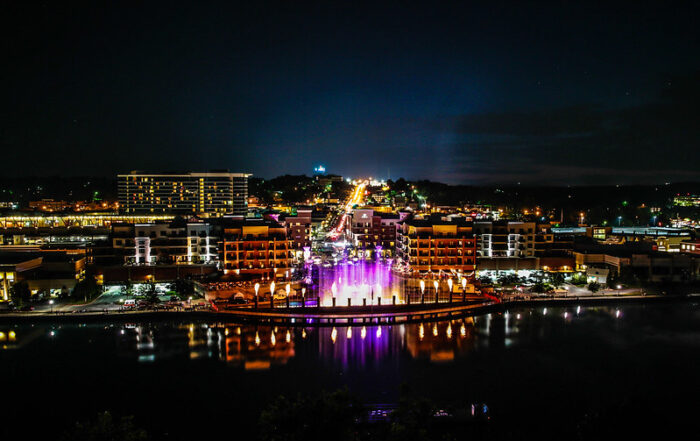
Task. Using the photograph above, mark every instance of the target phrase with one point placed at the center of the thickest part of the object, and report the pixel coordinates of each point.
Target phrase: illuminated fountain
(358, 283)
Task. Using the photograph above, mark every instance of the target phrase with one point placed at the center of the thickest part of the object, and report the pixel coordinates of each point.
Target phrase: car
(27, 308)
(239, 301)
(7, 307)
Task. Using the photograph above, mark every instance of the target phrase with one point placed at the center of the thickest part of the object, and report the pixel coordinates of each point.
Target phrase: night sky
(531, 92)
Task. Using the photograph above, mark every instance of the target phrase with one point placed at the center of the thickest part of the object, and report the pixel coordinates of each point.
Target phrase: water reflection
(255, 347)
(261, 346)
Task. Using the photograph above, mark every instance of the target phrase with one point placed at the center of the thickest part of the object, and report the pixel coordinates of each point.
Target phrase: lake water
(545, 373)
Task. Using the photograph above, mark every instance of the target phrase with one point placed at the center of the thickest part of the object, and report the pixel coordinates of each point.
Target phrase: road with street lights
(354, 199)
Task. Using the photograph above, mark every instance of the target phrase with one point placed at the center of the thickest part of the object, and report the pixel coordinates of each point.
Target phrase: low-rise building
(15, 266)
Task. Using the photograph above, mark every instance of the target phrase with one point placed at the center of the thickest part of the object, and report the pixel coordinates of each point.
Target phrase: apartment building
(256, 246)
(176, 242)
(299, 227)
(433, 245)
(505, 239)
(212, 194)
(373, 232)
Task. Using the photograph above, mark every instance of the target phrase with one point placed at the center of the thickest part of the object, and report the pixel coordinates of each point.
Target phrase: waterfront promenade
(355, 314)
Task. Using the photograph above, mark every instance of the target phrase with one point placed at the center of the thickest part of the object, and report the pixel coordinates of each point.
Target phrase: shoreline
(327, 316)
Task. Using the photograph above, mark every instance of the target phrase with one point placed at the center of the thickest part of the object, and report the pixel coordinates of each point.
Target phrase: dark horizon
(545, 94)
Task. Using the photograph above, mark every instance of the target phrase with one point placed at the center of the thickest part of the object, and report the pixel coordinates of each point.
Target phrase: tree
(412, 417)
(556, 279)
(20, 293)
(128, 288)
(328, 416)
(151, 292)
(539, 288)
(594, 287)
(86, 289)
(578, 279)
(182, 287)
(485, 280)
(106, 428)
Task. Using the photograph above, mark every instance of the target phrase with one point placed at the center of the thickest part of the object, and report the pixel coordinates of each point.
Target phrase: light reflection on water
(261, 346)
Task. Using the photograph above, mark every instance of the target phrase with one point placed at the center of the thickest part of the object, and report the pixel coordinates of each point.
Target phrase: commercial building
(13, 266)
(372, 232)
(691, 246)
(176, 242)
(299, 227)
(46, 272)
(255, 246)
(436, 245)
(505, 239)
(650, 266)
(213, 194)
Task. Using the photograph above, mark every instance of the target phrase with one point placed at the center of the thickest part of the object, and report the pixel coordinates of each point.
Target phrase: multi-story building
(299, 228)
(522, 246)
(256, 246)
(434, 245)
(505, 239)
(176, 242)
(215, 193)
(373, 232)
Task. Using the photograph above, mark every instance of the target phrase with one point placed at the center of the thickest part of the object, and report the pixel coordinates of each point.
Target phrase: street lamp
(257, 287)
(272, 295)
(449, 286)
(436, 284)
(464, 289)
(422, 291)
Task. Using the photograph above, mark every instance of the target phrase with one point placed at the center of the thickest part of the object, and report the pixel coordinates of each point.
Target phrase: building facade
(434, 246)
(373, 233)
(214, 194)
(256, 246)
(299, 228)
(176, 242)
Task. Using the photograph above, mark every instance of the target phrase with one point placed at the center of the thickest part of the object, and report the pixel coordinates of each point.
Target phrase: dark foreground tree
(87, 289)
(327, 416)
(106, 428)
(20, 293)
(594, 287)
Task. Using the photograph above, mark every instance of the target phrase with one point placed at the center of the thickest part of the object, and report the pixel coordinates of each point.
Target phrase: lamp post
(257, 287)
(303, 297)
(436, 284)
(464, 289)
(422, 291)
(272, 295)
(287, 289)
(449, 286)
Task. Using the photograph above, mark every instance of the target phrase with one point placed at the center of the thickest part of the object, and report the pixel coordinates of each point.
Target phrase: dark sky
(532, 92)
